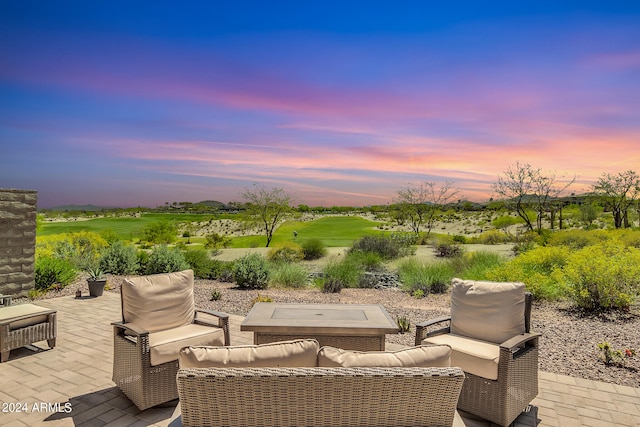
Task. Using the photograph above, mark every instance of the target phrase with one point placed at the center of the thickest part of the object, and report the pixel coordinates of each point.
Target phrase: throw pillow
(422, 356)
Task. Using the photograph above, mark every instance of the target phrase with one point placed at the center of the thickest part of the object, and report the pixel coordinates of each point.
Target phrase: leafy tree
(418, 204)
(267, 207)
(162, 232)
(524, 187)
(588, 214)
(618, 192)
(216, 241)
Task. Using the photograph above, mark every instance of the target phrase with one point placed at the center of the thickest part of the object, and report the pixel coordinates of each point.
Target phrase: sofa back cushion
(291, 354)
(159, 302)
(487, 311)
(423, 356)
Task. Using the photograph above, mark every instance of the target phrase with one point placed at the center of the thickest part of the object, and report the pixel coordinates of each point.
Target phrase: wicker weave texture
(319, 396)
(144, 384)
(501, 401)
(360, 343)
(12, 339)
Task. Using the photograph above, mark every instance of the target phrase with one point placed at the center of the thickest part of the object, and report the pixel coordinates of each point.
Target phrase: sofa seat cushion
(23, 315)
(423, 356)
(291, 354)
(158, 302)
(165, 345)
(473, 356)
(487, 311)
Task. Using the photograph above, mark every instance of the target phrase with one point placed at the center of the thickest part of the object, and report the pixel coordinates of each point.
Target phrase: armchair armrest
(420, 328)
(214, 313)
(129, 329)
(5, 300)
(223, 322)
(520, 341)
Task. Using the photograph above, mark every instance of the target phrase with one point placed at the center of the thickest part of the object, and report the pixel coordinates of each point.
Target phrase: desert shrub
(425, 277)
(313, 249)
(492, 237)
(82, 249)
(288, 275)
(216, 295)
(261, 298)
(109, 236)
(340, 274)
(445, 247)
(165, 260)
(286, 252)
(50, 271)
(119, 258)
(142, 257)
(413, 277)
(365, 261)
(630, 238)
(45, 245)
(458, 238)
(424, 239)
(200, 262)
(386, 247)
(251, 271)
(575, 239)
(407, 242)
(525, 242)
(475, 265)
(603, 276)
(539, 269)
(506, 221)
(221, 270)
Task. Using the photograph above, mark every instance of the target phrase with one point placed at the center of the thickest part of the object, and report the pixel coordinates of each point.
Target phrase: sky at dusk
(119, 103)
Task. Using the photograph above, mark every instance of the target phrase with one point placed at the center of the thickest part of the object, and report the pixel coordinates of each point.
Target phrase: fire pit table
(347, 326)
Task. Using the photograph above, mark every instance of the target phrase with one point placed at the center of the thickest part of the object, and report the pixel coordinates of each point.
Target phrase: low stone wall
(18, 210)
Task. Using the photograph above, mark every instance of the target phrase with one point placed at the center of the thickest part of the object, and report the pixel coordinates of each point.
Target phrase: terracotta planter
(96, 287)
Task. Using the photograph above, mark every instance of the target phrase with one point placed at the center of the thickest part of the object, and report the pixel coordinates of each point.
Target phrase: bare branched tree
(527, 189)
(418, 204)
(618, 193)
(267, 207)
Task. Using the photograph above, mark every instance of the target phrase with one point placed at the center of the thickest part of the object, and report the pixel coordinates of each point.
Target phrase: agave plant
(95, 273)
(404, 324)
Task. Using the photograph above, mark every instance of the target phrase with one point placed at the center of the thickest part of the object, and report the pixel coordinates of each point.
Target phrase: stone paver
(71, 384)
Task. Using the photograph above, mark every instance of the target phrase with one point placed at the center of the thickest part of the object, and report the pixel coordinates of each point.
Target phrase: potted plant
(96, 281)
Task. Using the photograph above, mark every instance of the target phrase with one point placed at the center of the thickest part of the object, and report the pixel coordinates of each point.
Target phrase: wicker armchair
(489, 332)
(158, 319)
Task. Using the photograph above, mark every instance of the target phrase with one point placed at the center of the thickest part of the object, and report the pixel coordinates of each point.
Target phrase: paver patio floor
(71, 384)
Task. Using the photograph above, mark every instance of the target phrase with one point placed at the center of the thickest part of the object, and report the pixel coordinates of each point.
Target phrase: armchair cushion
(164, 346)
(291, 354)
(487, 311)
(159, 302)
(416, 357)
(473, 356)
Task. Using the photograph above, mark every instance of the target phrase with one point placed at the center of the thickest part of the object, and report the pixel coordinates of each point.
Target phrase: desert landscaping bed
(568, 345)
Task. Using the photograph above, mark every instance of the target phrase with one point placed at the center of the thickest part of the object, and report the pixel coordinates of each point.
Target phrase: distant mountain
(90, 208)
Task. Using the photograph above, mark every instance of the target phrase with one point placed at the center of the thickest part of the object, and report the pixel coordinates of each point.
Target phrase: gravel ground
(568, 345)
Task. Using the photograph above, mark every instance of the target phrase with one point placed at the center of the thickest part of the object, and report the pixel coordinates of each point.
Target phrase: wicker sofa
(279, 391)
